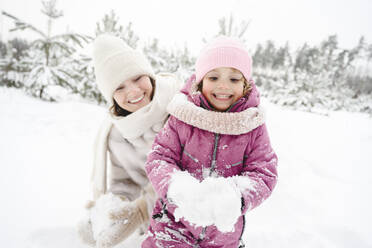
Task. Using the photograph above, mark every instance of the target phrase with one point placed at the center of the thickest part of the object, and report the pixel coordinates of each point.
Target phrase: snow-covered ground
(323, 197)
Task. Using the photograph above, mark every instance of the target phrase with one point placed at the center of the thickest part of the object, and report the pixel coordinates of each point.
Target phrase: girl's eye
(234, 80)
(212, 78)
(120, 88)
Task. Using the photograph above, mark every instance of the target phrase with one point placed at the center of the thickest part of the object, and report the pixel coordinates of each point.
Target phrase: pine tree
(50, 64)
(282, 58)
(110, 24)
(228, 27)
(160, 59)
(14, 63)
(20, 48)
(321, 77)
(257, 56)
(3, 49)
(268, 54)
(178, 61)
(86, 86)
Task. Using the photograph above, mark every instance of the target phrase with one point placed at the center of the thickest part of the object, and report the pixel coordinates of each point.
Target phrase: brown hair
(116, 110)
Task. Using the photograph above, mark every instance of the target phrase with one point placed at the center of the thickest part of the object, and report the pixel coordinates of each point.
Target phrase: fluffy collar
(232, 123)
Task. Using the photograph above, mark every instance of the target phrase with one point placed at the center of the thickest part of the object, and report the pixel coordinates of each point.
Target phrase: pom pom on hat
(114, 62)
(224, 52)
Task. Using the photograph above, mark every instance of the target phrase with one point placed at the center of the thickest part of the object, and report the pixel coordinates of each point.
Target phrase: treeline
(311, 78)
(318, 77)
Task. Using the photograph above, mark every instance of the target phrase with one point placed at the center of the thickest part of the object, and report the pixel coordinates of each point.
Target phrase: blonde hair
(247, 87)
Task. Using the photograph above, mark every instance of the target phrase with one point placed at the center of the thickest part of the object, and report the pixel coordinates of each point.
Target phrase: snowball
(214, 201)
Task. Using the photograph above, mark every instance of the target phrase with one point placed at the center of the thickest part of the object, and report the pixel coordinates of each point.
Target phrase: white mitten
(114, 220)
(84, 227)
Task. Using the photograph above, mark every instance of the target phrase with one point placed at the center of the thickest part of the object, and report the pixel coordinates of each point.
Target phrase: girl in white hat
(138, 100)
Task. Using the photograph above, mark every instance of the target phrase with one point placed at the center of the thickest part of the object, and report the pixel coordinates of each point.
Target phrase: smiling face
(134, 93)
(222, 87)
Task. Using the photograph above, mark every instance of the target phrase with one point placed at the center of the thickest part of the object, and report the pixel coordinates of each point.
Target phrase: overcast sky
(176, 23)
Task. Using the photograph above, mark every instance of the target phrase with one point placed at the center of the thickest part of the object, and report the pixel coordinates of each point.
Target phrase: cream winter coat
(128, 140)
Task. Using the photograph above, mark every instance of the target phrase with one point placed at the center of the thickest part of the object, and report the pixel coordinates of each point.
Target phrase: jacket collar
(231, 123)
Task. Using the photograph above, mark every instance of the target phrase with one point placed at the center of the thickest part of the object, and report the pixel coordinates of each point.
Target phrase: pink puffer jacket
(208, 143)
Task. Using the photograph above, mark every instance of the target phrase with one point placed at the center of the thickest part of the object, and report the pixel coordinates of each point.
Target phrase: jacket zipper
(242, 245)
(213, 167)
(213, 164)
(216, 139)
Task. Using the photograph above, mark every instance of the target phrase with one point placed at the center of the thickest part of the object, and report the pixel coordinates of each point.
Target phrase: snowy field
(323, 197)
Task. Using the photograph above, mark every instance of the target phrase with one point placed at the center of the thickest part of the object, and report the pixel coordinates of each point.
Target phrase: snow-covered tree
(321, 77)
(110, 24)
(50, 68)
(178, 61)
(2, 49)
(14, 63)
(228, 27)
(282, 58)
(361, 77)
(19, 47)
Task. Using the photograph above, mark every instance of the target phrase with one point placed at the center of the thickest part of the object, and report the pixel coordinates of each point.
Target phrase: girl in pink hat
(213, 160)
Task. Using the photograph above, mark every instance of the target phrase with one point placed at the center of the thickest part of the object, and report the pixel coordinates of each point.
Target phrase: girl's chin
(221, 105)
(220, 108)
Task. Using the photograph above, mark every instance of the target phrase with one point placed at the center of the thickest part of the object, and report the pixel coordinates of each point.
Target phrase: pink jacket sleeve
(163, 160)
(260, 168)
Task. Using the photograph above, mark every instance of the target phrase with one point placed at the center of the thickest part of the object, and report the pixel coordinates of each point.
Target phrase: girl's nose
(222, 84)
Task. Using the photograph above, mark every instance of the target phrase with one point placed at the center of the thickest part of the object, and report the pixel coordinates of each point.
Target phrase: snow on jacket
(128, 140)
(209, 143)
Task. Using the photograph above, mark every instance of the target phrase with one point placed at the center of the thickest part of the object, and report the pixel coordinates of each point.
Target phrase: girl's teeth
(223, 96)
(137, 100)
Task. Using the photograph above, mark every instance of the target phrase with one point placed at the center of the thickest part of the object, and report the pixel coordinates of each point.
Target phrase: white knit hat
(115, 62)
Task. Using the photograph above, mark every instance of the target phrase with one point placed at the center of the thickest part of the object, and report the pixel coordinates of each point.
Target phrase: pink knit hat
(223, 52)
